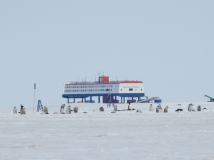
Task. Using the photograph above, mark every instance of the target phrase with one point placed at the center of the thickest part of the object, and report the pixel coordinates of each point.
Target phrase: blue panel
(103, 94)
(158, 101)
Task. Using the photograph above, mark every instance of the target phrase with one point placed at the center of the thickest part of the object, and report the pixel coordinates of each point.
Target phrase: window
(130, 89)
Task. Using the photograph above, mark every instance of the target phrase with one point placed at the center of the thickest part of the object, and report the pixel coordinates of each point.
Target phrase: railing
(90, 82)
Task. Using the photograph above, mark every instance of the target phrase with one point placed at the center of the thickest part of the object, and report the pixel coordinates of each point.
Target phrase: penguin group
(22, 110)
(158, 109)
(68, 110)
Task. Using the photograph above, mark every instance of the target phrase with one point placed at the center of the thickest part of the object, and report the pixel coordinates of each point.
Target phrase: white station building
(105, 89)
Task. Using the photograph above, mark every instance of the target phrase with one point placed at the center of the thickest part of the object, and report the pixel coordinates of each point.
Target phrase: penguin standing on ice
(75, 109)
(151, 108)
(199, 108)
(46, 110)
(62, 109)
(190, 108)
(115, 108)
(22, 109)
(157, 109)
(129, 106)
(160, 108)
(14, 110)
(68, 110)
(166, 109)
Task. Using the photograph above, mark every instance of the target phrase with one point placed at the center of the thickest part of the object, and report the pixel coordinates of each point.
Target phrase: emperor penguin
(68, 110)
(14, 110)
(160, 107)
(166, 109)
(45, 110)
(199, 108)
(190, 107)
(23, 110)
(75, 109)
(62, 109)
(157, 109)
(151, 108)
(129, 106)
(21, 106)
(115, 108)
(101, 109)
(139, 111)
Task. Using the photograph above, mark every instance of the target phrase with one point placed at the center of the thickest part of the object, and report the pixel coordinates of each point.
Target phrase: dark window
(130, 89)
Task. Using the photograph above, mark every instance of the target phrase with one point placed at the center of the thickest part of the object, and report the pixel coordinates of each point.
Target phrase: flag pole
(34, 96)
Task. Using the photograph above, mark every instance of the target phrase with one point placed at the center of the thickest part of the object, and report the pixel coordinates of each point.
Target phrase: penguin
(179, 110)
(23, 110)
(21, 107)
(160, 107)
(199, 108)
(129, 106)
(75, 109)
(62, 109)
(190, 108)
(115, 108)
(151, 108)
(139, 111)
(166, 109)
(14, 110)
(45, 110)
(68, 110)
(101, 109)
(157, 109)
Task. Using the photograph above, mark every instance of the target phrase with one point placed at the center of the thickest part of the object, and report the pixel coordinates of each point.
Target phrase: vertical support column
(120, 99)
(90, 98)
(98, 99)
(68, 100)
(82, 100)
(138, 98)
(74, 99)
(132, 99)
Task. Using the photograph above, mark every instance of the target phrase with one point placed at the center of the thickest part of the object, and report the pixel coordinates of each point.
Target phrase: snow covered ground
(105, 135)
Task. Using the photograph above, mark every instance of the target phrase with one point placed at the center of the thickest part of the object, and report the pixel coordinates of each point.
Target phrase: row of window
(90, 90)
(88, 86)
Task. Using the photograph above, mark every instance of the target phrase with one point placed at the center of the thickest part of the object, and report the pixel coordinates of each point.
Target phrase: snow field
(106, 135)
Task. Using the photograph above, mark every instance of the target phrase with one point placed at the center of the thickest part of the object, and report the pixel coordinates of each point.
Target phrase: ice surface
(105, 135)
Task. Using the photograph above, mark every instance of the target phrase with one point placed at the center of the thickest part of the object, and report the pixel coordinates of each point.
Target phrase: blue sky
(169, 45)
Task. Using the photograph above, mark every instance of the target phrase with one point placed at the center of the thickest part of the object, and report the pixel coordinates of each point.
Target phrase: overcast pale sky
(169, 45)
